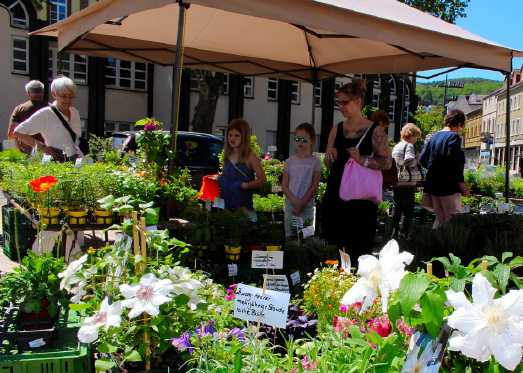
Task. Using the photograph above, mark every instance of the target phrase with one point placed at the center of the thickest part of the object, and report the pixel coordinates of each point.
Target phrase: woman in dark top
(444, 160)
(352, 224)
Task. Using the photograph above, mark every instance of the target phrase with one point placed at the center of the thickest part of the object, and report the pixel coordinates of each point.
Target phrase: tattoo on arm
(382, 159)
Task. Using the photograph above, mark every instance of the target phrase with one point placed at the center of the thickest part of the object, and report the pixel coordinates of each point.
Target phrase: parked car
(199, 152)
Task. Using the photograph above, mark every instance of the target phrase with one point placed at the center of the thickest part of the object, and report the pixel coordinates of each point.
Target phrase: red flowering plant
(40, 186)
(154, 144)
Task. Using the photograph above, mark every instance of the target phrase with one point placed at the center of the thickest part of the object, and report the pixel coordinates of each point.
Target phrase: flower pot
(103, 217)
(273, 247)
(49, 215)
(232, 253)
(77, 217)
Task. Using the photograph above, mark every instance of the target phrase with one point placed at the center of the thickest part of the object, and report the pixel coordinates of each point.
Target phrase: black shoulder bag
(82, 142)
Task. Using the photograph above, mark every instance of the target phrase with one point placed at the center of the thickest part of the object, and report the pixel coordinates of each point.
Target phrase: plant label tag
(308, 231)
(503, 207)
(295, 278)
(267, 259)
(272, 148)
(233, 269)
(78, 163)
(88, 160)
(466, 209)
(37, 343)
(345, 261)
(276, 189)
(46, 158)
(266, 306)
(219, 203)
(151, 228)
(208, 205)
(276, 283)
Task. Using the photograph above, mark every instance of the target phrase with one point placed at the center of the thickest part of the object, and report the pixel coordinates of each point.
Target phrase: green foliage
(271, 203)
(431, 94)
(12, 155)
(447, 10)
(100, 146)
(255, 147)
(178, 188)
(34, 282)
(429, 121)
(323, 293)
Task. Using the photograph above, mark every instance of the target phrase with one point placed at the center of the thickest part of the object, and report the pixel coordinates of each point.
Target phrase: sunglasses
(301, 139)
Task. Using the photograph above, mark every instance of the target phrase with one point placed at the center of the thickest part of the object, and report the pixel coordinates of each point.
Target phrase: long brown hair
(355, 89)
(244, 129)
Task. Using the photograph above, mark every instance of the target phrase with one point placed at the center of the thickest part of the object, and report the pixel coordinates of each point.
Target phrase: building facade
(488, 127)
(472, 137)
(113, 94)
(516, 124)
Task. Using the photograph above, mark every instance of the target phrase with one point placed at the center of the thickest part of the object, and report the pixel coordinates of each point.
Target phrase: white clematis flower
(147, 295)
(378, 276)
(487, 326)
(108, 315)
(78, 292)
(184, 283)
(70, 275)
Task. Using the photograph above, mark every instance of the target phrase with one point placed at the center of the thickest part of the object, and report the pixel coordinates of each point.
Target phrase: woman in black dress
(352, 224)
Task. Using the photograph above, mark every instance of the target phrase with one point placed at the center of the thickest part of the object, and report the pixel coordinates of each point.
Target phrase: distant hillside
(431, 94)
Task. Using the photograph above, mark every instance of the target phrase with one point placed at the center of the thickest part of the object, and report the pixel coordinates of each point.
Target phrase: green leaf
(103, 365)
(394, 312)
(133, 356)
(238, 362)
(181, 300)
(516, 280)
(412, 287)
(78, 307)
(432, 305)
(106, 348)
(502, 273)
(516, 262)
(457, 284)
(506, 255)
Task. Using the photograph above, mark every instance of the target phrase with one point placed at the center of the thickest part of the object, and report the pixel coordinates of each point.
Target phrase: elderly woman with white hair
(58, 124)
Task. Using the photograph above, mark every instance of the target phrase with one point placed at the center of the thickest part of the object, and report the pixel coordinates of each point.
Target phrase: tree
(210, 87)
(430, 120)
(447, 10)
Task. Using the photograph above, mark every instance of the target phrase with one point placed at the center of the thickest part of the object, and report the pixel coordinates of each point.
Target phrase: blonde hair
(244, 129)
(410, 130)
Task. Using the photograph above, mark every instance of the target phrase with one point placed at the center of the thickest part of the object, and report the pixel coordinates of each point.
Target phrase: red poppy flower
(43, 184)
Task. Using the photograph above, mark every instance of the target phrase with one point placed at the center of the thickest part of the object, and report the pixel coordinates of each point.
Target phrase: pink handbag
(359, 182)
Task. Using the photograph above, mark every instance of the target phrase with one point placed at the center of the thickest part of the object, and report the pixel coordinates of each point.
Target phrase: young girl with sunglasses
(301, 176)
(242, 170)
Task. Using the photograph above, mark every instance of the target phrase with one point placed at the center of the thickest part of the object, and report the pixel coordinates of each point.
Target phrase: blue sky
(500, 21)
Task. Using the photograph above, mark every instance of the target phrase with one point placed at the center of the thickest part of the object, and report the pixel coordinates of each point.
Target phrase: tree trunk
(211, 85)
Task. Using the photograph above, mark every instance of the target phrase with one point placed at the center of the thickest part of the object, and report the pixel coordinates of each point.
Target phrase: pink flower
(404, 328)
(356, 306)
(380, 325)
(343, 308)
(231, 292)
(342, 325)
(267, 157)
(150, 127)
(307, 364)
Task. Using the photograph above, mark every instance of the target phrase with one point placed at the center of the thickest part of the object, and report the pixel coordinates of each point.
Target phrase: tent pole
(507, 139)
(314, 82)
(177, 80)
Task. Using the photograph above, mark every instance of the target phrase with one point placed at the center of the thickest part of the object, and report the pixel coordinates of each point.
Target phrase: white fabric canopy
(279, 38)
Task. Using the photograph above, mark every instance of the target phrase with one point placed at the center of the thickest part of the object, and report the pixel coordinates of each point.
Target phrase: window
(57, 10)
(295, 92)
(225, 86)
(407, 103)
(317, 93)
(272, 89)
(392, 108)
(72, 65)
(248, 86)
(376, 91)
(126, 74)
(20, 55)
(337, 85)
(18, 11)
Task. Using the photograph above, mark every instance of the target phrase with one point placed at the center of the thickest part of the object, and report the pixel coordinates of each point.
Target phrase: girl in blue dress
(242, 170)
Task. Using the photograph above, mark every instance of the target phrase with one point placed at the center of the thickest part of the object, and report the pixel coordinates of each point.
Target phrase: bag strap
(364, 135)
(239, 170)
(64, 122)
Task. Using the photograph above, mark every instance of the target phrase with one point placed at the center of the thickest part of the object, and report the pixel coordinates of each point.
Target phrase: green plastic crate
(66, 355)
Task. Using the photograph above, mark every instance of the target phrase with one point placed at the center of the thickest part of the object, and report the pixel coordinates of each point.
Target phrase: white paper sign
(269, 307)
(46, 158)
(276, 283)
(308, 231)
(78, 163)
(345, 261)
(295, 278)
(233, 269)
(272, 148)
(37, 343)
(267, 259)
(276, 189)
(219, 203)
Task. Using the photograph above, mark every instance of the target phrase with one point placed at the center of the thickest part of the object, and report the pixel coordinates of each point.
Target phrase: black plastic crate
(26, 233)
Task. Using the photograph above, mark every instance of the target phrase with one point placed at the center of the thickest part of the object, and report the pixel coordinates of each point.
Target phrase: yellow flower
(91, 250)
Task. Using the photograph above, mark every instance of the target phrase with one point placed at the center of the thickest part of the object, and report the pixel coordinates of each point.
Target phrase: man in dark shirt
(35, 93)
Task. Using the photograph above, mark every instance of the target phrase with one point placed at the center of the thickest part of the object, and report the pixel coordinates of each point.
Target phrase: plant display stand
(64, 355)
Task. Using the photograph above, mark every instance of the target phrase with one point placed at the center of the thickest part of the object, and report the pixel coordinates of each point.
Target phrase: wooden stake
(484, 265)
(429, 269)
(136, 239)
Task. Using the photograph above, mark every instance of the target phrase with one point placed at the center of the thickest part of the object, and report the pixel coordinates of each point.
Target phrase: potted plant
(231, 224)
(40, 188)
(31, 297)
(74, 201)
